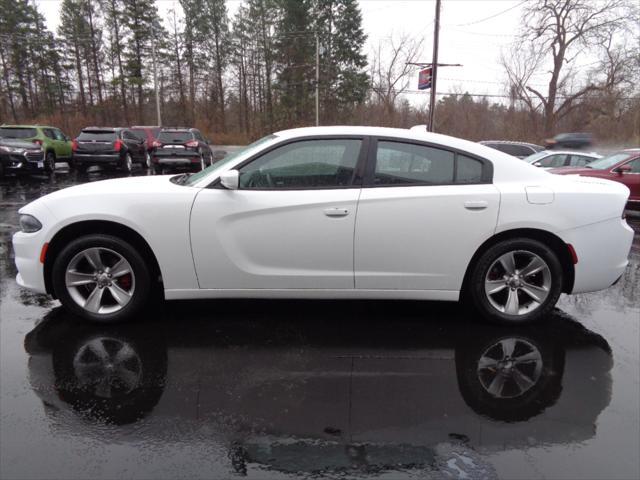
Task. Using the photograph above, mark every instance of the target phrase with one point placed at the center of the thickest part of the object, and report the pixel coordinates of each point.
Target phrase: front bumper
(603, 253)
(14, 162)
(27, 248)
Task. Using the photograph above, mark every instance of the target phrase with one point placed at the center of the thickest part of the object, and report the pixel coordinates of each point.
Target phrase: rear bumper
(180, 158)
(96, 158)
(603, 253)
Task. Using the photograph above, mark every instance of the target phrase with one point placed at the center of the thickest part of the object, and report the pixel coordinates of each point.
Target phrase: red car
(623, 167)
(149, 134)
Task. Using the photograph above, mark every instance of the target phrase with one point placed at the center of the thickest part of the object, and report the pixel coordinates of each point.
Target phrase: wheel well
(75, 230)
(549, 239)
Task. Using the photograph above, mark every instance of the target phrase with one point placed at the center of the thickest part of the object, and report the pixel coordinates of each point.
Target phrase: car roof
(27, 126)
(104, 129)
(510, 142)
(571, 152)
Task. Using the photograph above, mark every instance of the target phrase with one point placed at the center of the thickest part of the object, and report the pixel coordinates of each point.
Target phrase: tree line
(237, 77)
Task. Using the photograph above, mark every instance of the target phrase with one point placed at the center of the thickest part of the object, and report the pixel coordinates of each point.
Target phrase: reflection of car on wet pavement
(256, 374)
(310, 213)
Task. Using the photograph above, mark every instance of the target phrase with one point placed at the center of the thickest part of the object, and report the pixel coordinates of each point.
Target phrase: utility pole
(317, 79)
(434, 70)
(155, 79)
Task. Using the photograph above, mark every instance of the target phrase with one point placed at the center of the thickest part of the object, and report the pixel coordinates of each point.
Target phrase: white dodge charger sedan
(331, 212)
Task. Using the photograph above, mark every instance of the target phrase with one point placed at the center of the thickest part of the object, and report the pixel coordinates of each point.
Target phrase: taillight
(117, 145)
(192, 144)
(156, 144)
(38, 142)
(74, 145)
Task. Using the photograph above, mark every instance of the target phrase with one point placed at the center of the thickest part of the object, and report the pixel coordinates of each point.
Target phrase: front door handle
(336, 212)
(476, 204)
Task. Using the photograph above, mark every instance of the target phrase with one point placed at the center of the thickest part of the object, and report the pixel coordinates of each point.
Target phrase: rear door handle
(336, 212)
(476, 204)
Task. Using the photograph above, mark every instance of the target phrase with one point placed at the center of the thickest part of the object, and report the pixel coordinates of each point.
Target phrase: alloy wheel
(509, 368)
(518, 282)
(100, 280)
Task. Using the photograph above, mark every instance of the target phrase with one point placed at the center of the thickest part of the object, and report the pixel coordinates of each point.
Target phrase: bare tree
(391, 72)
(556, 33)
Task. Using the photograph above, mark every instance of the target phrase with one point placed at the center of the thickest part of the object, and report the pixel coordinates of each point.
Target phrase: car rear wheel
(147, 160)
(101, 278)
(516, 281)
(127, 163)
(50, 162)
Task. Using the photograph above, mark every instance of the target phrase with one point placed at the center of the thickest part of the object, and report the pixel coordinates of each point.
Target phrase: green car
(55, 144)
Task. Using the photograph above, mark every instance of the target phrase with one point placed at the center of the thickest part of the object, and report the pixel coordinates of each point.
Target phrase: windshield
(97, 135)
(535, 157)
(608, 162)
(17, 132)
(193, 179)
(175, 137)
(139, 134)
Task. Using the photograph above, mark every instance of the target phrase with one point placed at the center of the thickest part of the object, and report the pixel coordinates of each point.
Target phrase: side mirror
(537, 164)
(623, 169)
(230, 179)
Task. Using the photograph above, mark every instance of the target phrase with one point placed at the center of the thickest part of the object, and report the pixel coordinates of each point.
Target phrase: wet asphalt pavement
(284, 389)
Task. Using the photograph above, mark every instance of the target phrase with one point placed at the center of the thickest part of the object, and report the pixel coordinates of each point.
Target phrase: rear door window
(579, 160)
(553, 161)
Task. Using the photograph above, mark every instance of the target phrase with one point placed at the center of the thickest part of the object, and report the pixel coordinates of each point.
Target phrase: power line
(492, 16)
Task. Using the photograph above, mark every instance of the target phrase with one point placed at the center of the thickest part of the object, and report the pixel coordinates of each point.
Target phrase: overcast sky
(472, 33)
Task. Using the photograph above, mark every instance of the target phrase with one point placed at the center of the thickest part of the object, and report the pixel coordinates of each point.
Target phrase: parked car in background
(564, 158)
(517, 149)
(20, 156)
(55, 144)
(573, 141)
(331, 212)
(109, 146)
(623, 167)
(178, 147)
(146, 133)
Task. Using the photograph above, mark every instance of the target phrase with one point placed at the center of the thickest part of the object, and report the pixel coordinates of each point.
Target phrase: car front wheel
(516, 281)
(101, 278)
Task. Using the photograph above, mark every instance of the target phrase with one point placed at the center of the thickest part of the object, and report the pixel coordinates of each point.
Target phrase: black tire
(80, 167)
(480, 270)
(1, 170)
(50, 162)
(146, 161)
(126, 165)
(157, 170)
(142, 286)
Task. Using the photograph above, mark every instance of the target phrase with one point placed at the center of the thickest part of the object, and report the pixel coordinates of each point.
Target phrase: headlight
(29, 223)
(19, 151)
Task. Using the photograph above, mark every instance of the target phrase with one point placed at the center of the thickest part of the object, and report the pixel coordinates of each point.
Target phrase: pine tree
(295, 52)
(343, 78)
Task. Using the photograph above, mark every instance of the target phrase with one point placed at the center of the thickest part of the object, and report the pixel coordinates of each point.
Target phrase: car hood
(118, 190)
